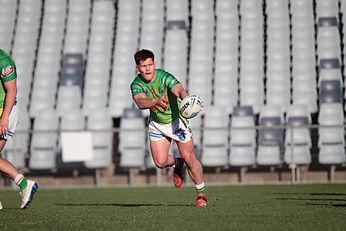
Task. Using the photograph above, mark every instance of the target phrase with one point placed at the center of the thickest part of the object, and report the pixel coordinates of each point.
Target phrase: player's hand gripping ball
(190, 106)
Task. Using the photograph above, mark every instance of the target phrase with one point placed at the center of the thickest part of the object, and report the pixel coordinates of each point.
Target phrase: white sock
(18, 179)
(200, 186)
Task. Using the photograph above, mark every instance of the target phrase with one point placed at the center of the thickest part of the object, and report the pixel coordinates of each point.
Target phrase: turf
(269, 207)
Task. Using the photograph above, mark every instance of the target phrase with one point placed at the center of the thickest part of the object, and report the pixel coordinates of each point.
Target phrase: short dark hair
(142, 55)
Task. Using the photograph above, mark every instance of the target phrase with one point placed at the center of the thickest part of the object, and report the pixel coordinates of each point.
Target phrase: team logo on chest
(152, 91)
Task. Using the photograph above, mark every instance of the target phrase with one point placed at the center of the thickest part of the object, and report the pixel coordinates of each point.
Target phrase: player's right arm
(144, 103)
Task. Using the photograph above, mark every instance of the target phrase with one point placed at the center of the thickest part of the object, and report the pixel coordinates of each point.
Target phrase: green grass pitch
(266, 207)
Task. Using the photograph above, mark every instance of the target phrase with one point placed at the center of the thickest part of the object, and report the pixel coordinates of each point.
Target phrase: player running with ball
(158, 90)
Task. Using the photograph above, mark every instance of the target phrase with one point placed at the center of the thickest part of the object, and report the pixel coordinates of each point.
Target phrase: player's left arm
(11, 92)
(179, 91)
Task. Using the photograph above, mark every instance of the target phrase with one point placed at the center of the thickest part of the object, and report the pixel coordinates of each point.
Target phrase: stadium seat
(225, 94)
(42, 100)
(132, 139)
(201, 50)
(152, 28)
(44, 141)
(278, 54)
(330, 92)
(243, 140)
(330, 74)
(72, 70)
(7, 24)
(331, 114)
(48, 56)
(100, 44)
(132, 143)
(226, 56)
(243, 111)
(123, 67)
(328, 43)
(95, 92)
(331, 146)
(72, 120)
(303, 54)
(297, 141)
(270, 136)
(69, 98)
(95, 98)
(326, 8)
(149, 162)
(77, 28)
(175, 56)
(271, 110)
(196, 127)
(101, 124)
(177, 10)
(331, 135)
(25, 42)
(215, 137)
(304, 93)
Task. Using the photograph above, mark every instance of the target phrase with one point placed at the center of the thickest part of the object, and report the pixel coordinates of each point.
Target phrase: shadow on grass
(327, 194)
(327, 199)
(311, 199)
(122, 205)
(313, 194)
(333, 205)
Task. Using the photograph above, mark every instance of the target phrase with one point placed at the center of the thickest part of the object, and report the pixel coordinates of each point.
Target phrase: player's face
(147, 69)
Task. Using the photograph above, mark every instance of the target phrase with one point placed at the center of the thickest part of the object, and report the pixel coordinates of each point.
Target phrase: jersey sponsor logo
(7, 71)
(152, 91)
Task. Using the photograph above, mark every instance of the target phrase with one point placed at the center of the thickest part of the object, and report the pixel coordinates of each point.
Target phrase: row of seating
(220, 140)
(238, 141)
(43, 146)
(76, 56)
(248, 62)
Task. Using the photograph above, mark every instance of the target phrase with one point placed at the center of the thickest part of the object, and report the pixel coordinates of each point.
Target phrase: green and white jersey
(162, 86)
(8, 72)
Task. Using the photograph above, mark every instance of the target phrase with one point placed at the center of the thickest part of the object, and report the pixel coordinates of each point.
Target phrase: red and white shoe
(202, 200)
(178, 177)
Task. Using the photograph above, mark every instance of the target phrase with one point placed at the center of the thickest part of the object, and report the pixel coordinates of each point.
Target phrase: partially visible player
(8, 122)
(159, 91)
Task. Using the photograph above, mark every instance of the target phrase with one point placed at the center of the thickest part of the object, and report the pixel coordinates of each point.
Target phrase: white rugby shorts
(178, 130)
(13, 122)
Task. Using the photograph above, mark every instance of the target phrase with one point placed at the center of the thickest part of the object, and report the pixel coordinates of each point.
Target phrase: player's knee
(160, 164)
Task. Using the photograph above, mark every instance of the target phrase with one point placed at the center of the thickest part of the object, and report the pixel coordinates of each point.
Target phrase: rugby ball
(190, 106)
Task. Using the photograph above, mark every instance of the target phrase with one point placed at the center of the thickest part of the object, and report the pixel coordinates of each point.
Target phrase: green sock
(23, 183)
(202, 190)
